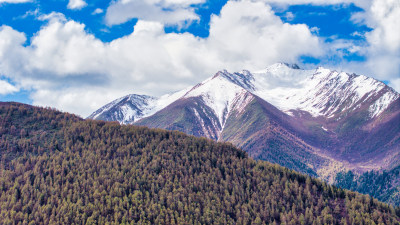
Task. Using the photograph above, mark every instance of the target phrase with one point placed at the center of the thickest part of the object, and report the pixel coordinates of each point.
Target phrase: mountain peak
(285, 64)
(220, 92)
(126, 109)
(293, 66)
(219, 73)
(320, 92)
(282, 67)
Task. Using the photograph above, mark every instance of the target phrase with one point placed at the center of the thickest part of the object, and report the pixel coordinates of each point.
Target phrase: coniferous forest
(59, 169)
(383, 185)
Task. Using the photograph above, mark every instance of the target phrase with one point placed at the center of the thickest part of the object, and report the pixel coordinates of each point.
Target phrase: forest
(59, 169)
(383, 185)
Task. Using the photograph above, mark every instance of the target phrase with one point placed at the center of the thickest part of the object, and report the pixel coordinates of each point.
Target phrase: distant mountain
(126, 109)
(131, 108)
(58, 169)
(315, 121)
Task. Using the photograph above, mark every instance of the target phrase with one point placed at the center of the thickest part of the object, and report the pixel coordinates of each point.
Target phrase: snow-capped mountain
(314, 121)
(320, 92)
(131, 108)
(126, 109)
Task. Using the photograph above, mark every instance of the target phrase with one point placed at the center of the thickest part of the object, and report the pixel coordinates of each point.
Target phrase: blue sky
(76, 55)
(22, 18)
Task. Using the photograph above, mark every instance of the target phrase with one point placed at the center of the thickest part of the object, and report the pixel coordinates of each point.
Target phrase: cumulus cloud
(7, 88)
(76, 4)
(164, 11)
(384, 40)
(382, 44)
(70, 69)
(360, 3)
(381, 47)
(250, 33)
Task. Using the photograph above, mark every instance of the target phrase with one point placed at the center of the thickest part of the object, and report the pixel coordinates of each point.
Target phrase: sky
(78, 55)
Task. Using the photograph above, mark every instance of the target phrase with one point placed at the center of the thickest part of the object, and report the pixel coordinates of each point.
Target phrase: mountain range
(318, 121)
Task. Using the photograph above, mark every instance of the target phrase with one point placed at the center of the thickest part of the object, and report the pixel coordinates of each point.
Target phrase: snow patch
(320, 92)
(218, 93)
(382, 103)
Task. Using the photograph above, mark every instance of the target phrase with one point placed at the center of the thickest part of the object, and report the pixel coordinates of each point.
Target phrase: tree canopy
(58, 169)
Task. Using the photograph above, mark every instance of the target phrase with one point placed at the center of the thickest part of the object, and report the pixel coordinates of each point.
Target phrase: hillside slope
(384, 185)
(58, 169)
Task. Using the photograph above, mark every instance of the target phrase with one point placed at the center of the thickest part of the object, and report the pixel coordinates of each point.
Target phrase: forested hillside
(384, 185)
(57, 169)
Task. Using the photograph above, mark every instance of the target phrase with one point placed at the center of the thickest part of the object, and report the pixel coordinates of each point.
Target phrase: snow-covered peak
(343, 92)
(126, 109)
(132, 108)
(220, 92)
(243, 79)
(279, 67)
(321, 92)
(166, 100)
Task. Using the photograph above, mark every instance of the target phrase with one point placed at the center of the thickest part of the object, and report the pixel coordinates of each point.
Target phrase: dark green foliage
(87, 172)
(384, 185)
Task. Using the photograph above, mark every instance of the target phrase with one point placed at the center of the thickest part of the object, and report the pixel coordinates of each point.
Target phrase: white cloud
(11, 50)
(165, 11)
(97, 11)
(72, 70)
(360, 3)
(7, 88)
(54, 16)
(395, 83)
(248, 33)
(289, 16)
(14, 1)
(384, 40)
(382, 46)
(76, 4)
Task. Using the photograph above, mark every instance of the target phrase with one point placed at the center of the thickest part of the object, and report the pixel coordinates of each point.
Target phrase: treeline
(383, 185)
(57, 169)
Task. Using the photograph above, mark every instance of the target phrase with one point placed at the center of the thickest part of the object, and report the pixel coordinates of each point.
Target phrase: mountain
(221, 110)
(58, 169)
(126, 109)
(131, 108)
(318, 122)
(345, 118)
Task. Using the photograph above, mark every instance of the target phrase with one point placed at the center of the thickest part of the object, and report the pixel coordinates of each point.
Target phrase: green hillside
(383, 185)
(57, 169)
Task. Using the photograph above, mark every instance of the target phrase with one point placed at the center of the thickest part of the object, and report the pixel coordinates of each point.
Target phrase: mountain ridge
(247, 77)
(341, 118)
